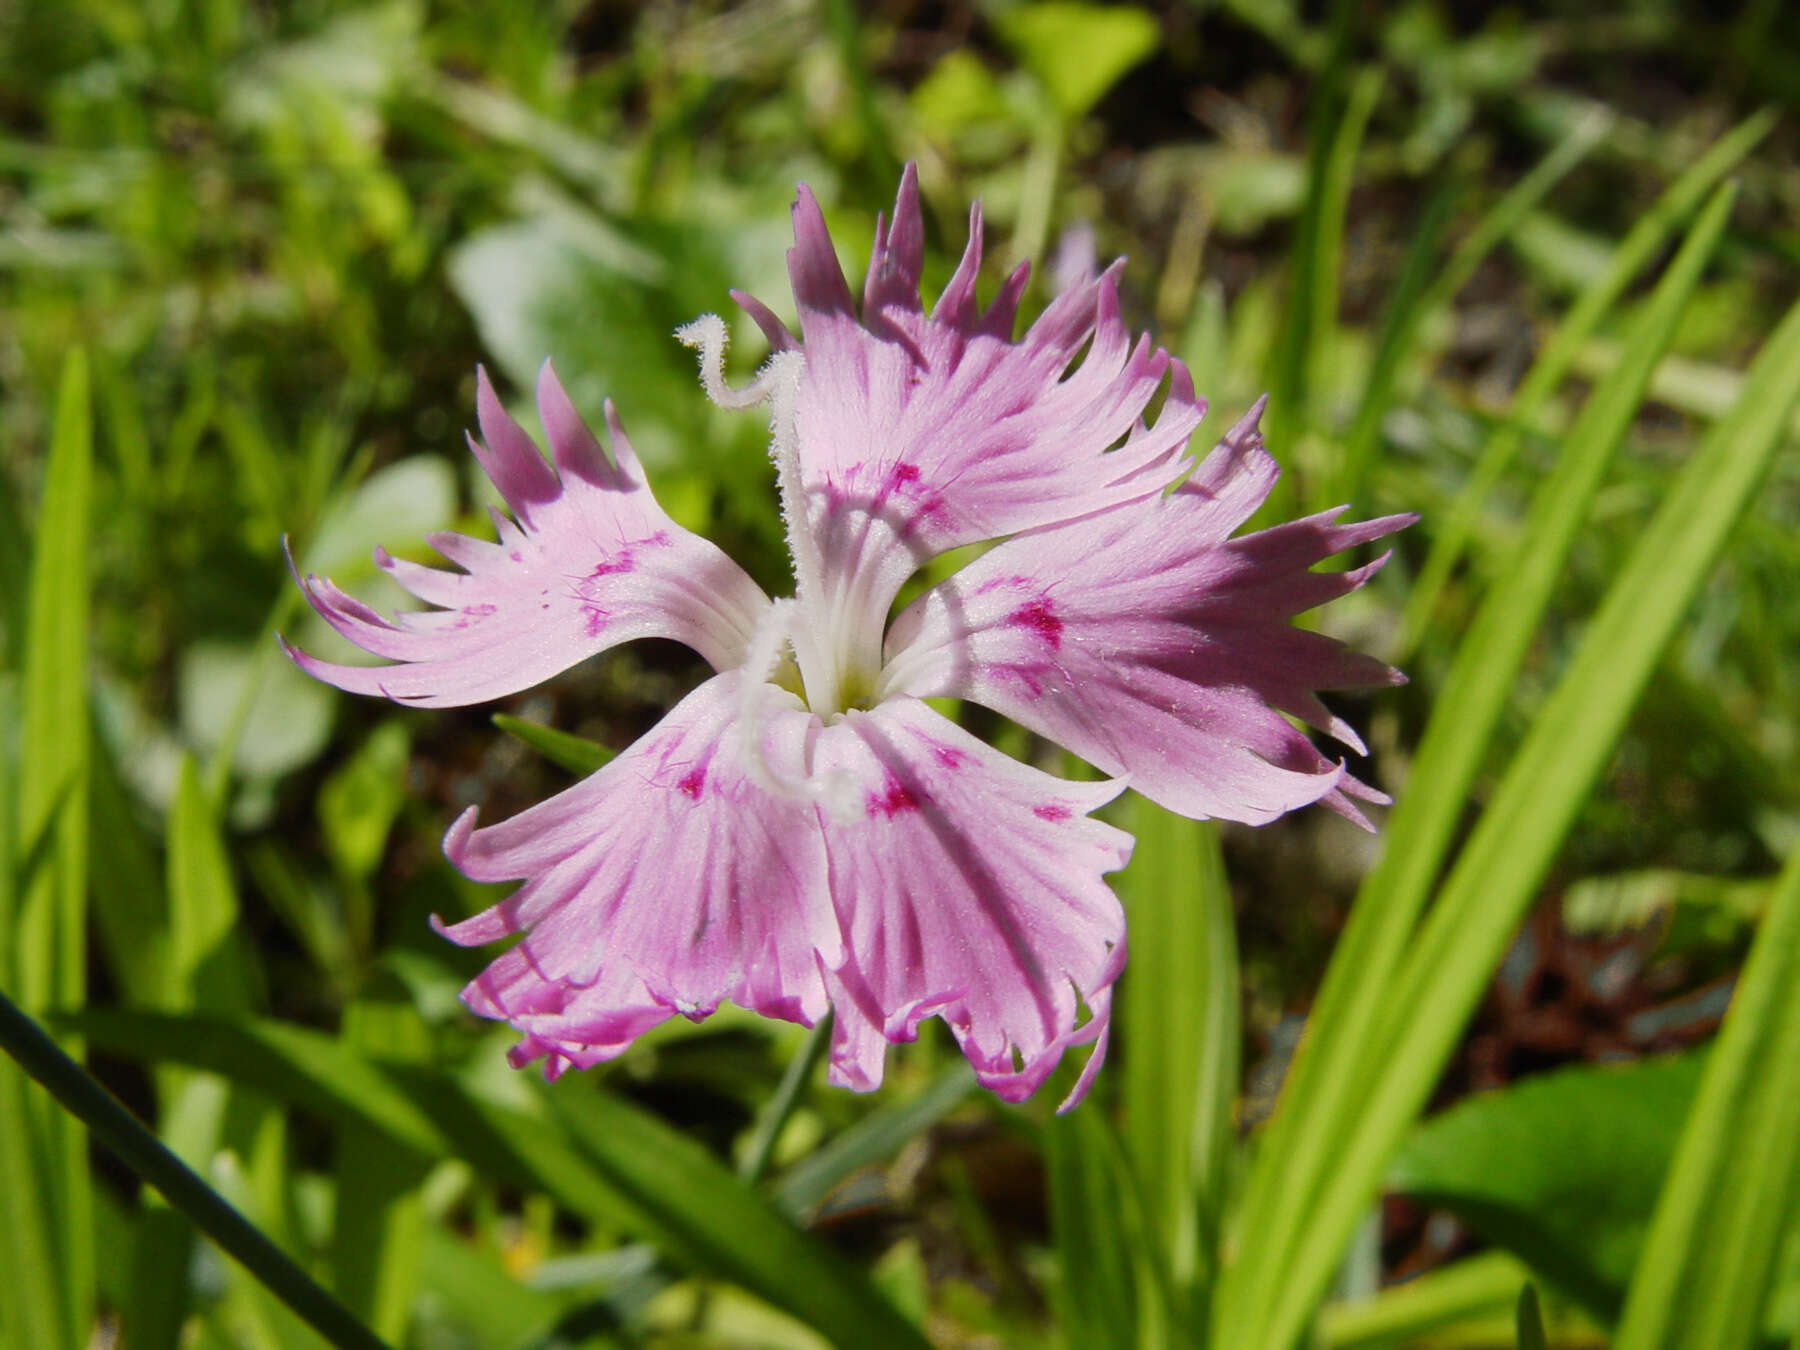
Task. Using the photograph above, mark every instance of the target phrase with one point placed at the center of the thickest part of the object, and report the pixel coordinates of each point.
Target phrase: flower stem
(83, 1097)
(787, 1096)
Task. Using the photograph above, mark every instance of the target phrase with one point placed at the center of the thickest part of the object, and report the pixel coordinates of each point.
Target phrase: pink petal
(592, 561)
(918, 434)
(969, 888)
(666, 882)
(1151, 644)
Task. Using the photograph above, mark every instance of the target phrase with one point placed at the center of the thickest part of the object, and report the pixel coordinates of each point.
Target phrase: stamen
(835, 792)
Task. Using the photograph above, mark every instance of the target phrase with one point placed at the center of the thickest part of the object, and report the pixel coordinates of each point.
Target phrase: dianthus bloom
(802, 831)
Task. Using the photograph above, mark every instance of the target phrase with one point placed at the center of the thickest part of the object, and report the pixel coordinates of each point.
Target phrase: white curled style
(778, 384)
(708, 336)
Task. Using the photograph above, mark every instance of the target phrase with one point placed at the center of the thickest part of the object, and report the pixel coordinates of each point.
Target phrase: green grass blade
(1640, 244)
(1091, 1198)
(157, 1294)
(1506, 857)
(1331, 208)
(877, 1136)
(1529, 1319)
(1291, 356)
(1706, 1268)
(479, 1294)
(596, 1155)
(86, 1100)
(695, 1207)
(32, 1313)
(26, 1240)
(1406, 306)
(378, 1224)
(15, 568)
(1327, 1080)
(50, 959)
(297, 1065)
(1514, 205)
(125, 883)
(207, 966)
(204, 968)
(1179, 1031)
(1475, 1287)
(564, 749)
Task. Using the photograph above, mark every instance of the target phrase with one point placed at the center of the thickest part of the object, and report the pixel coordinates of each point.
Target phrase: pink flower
(802, 832)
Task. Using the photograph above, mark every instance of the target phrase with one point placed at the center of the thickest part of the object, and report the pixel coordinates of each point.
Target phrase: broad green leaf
(1701, 911)
(564, 749)
(15, 568)
(207, 967)
(480, 1298)
(360, 800)
(286, 722)
(1078, 51)
(1706, 1278)
(957, 93)
(534, 286)
(30, 1316)
(157, 1298)
(1561, 1169)
(395, 506)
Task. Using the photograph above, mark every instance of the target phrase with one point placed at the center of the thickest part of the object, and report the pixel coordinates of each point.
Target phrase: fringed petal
(664, 883)
(1150, 643)
(967, 886)
(592, 561)
(917, 434)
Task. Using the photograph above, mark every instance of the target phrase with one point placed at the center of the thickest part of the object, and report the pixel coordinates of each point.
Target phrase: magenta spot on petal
(1050, 812)
(621, 561)
(596, 619)
(1040, 617)
(1026, 679)
(474, 614)
(995, 583)
(950, 759)
(905, 473)
(514, 555)
(897, 799)
(691, 785)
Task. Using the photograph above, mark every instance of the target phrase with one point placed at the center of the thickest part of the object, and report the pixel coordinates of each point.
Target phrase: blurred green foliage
(283, 235)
